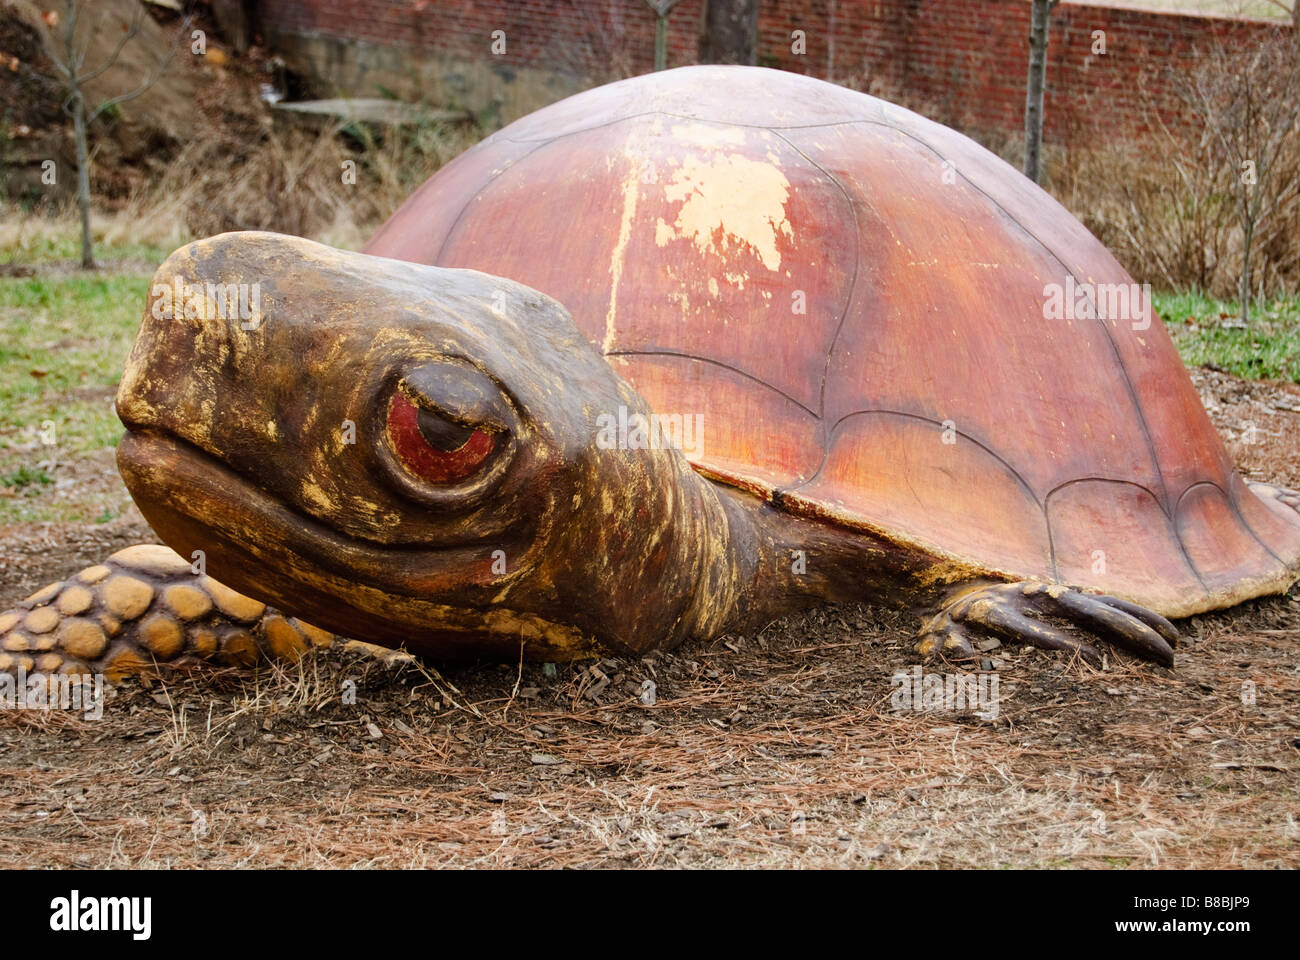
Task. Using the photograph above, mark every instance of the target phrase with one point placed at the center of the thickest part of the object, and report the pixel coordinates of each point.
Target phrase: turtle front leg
(142, 609)
(1014, 611)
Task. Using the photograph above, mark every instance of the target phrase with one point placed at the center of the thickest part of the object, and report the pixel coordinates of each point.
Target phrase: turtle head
(401, 453)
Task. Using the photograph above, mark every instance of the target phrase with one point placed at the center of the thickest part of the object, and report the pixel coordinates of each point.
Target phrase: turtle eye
(433, 448)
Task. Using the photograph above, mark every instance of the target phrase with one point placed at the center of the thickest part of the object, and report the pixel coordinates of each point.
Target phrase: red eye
(433, 448)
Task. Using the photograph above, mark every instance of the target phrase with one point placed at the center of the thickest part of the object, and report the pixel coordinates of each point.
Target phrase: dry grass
(1166, 210)
(773, 750)
(1175, 226)
(289, 181)
(292, 181)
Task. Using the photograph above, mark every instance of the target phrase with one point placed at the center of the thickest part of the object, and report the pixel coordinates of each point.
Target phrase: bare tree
(1040, 21)
(1176, 215)
(730, 32)
(661, 10)
(1167, 202)
(69, 48)
(1248, 98)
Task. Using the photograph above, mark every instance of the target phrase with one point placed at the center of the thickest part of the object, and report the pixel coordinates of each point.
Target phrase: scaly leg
(1008, 609)
(141, 609)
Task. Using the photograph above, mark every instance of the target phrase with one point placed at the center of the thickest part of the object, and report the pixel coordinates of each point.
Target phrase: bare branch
(149, 81)
(127, 36)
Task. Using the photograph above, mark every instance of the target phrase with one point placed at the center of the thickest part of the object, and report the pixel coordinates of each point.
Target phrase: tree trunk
(730, 32)
(1245, 276)
(661, 9)
(83, 178)
(1038, 33)
(830, 46)
(234, 22)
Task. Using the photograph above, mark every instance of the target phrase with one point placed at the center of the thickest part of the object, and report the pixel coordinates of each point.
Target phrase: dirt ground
(779, 749)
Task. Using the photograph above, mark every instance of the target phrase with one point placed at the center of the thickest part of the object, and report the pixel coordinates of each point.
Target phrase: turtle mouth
(260, 546)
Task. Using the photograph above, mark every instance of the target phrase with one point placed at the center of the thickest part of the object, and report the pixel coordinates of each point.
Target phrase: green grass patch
(63, 341)
(1205, 332)
(30, 238)
(59, 242)
(26, 476)
(64, 338)
(99, 506)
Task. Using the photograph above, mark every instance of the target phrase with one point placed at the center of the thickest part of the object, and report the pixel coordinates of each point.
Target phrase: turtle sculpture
(667, 359)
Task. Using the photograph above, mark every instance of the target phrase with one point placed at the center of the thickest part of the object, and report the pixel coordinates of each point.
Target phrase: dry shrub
(291, 180)
(1168, 219)
(287, 179)
(1173, 205)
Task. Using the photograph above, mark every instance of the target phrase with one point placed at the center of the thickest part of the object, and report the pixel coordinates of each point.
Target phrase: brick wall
(590, 37)
(960, 61)
(964, 61)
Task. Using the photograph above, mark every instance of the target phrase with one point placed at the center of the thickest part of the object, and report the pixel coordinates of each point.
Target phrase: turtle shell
(858, 302)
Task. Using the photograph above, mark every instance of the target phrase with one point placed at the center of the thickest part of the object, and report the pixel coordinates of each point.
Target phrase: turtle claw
(1004, 610)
